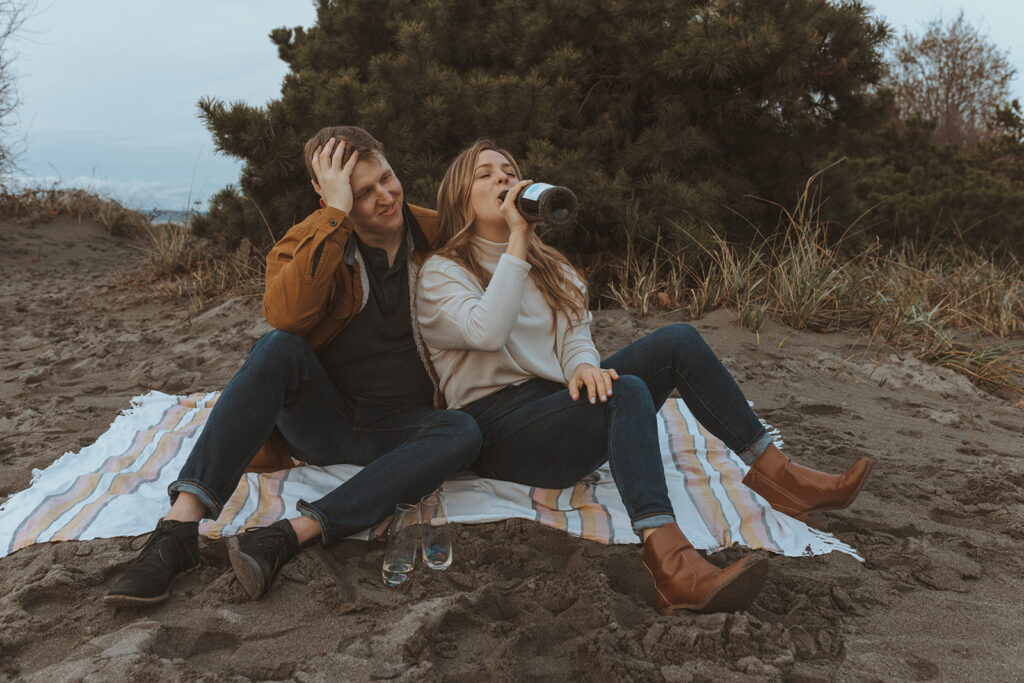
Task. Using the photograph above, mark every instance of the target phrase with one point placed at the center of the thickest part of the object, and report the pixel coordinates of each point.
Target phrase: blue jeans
(406, 451)
(535, 434)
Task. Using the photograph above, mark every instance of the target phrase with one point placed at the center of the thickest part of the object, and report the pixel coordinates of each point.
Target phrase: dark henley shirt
(375, 356)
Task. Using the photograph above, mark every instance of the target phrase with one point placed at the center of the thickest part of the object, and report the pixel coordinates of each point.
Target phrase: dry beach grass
(950, 303)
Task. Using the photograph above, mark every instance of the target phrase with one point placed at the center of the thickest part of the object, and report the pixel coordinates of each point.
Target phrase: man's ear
(316, 188)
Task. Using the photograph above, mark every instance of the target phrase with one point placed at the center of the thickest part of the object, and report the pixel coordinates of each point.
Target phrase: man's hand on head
(334, 180)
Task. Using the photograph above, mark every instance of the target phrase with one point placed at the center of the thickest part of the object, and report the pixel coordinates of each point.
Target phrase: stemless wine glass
(435, 534)
(403, 536)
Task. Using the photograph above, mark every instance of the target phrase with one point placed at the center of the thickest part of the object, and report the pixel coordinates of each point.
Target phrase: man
(344, 378)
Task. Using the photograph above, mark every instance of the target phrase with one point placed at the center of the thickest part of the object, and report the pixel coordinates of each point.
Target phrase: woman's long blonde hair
(455, 221)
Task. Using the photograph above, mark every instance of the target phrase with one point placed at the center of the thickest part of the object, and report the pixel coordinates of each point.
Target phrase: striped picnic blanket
(118, 487)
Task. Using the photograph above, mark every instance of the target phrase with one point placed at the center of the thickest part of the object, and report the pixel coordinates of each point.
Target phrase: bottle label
(534, 191)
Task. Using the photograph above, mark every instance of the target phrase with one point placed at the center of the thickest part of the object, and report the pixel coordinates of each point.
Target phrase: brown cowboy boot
(797, 491)
(685, 580)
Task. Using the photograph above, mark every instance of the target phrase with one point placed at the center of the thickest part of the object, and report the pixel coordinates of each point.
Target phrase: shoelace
(154, 537)
(276, 540)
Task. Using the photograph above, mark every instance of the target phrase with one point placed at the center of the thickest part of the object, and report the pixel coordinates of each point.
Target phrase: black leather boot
(172, 548)
(258, 555)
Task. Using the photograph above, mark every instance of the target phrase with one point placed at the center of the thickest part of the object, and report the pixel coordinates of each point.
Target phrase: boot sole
(124, 600)
(246, 569)
(734, 596)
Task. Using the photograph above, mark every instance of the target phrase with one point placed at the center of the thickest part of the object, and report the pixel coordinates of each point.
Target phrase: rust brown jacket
(316, 284)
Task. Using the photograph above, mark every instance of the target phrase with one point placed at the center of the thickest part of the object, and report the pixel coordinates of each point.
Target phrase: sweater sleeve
(577, 345)
(455, 312)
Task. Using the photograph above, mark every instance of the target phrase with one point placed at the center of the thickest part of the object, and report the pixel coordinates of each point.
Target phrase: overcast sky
(109, 87)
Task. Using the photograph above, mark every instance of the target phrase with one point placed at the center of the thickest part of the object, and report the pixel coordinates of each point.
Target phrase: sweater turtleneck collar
(491, 250)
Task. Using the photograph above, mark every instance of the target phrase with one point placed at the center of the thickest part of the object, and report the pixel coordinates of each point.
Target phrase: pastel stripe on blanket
(726, 502)
(121, 473)
(168, 446)
(118, 487)
(250, 505)
(584, 514)
(83, 487)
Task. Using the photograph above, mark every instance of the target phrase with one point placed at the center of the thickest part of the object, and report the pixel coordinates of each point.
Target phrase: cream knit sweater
(481, 340)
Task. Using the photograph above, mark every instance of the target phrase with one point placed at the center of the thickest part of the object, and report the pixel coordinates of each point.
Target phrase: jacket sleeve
(577, 345)
(455, 312)
(300, 271)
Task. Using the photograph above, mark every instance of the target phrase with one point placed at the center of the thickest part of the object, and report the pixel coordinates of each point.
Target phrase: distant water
(165, 216)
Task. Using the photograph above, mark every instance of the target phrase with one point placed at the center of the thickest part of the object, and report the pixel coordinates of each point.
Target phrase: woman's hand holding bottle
(519, 229)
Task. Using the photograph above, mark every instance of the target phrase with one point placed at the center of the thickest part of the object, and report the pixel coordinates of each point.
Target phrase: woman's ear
(316, 188)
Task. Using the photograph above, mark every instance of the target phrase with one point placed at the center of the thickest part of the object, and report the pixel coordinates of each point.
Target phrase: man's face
(376, 197)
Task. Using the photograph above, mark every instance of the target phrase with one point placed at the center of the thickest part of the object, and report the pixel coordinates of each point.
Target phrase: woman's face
(493, 175)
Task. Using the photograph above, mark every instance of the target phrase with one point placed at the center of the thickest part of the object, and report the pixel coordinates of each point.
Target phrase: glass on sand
(424, 525)
(435, 533)
(403, 537)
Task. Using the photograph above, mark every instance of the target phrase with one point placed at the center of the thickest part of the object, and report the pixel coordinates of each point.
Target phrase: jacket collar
(414, 237)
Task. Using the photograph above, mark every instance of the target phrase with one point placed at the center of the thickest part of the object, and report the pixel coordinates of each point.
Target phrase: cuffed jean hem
(307, 510)
(213, 508)
(754, 451)
(652, 522)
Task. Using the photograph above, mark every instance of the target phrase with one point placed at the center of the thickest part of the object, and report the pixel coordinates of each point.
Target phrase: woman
(505, 319)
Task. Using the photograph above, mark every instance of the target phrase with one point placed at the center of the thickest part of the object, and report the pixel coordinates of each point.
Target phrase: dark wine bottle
(542, 203)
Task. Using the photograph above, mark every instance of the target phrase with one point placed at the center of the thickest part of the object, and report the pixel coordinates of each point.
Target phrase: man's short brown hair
(355, 139)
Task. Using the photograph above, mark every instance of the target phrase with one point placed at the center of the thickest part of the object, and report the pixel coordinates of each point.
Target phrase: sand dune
(940, 524)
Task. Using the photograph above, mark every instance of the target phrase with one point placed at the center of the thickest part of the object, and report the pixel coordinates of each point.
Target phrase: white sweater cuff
(578, 359)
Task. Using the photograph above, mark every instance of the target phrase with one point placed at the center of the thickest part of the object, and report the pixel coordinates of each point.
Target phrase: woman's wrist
(517, 245)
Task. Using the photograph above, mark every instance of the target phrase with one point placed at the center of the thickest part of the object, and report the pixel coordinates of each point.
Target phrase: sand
(940, 524)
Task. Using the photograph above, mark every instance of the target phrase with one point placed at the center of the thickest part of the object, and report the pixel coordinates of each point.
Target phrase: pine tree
(910, 187)
(666, 116)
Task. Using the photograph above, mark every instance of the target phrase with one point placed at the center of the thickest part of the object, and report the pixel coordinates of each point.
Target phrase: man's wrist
(332, 214)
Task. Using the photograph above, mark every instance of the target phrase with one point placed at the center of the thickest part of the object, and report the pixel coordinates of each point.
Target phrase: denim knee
(630, 388)
(278, 345)
(686, 342)
(686, 336)
(465, 437)
(280, 354)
